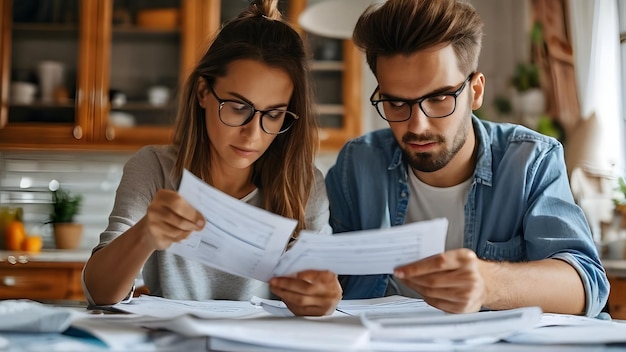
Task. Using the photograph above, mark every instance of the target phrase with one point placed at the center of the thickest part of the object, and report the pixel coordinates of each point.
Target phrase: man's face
(430, 144)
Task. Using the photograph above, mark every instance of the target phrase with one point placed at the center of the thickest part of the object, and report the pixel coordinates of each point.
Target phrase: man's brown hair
(407, 26)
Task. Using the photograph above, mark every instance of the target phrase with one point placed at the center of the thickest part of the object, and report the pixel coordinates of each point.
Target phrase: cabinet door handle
(110, 133)
(77, 132)
(3, 121)
(8, 281)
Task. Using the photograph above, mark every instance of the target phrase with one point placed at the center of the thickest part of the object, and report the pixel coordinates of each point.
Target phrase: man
(516, 238)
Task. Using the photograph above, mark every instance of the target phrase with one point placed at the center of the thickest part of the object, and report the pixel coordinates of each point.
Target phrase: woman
(245, 127)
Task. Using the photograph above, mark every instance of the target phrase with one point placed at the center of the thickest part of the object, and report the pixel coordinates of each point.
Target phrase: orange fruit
(14, 235)
(32, 244)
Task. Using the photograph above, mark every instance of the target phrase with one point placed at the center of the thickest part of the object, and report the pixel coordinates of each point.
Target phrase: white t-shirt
(427, 202)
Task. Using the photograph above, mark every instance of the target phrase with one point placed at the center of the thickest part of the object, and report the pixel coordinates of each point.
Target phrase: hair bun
(265, 8)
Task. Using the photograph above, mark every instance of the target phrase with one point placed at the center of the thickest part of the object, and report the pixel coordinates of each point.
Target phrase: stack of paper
(469, 328)
(157, 307)
(392, 323)
(388, 323)
(571, 329)
(286, 333)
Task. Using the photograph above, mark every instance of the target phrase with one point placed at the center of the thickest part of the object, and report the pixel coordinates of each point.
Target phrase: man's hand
(450, 281)
(309, 293)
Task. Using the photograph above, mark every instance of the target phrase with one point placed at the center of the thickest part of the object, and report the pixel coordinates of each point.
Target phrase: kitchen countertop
(46, 255)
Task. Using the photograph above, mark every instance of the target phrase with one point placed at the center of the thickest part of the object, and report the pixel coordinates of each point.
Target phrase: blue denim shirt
(519, 207)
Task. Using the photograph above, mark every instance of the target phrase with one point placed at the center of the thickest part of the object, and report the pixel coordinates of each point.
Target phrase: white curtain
(596, 44)
(621, 5)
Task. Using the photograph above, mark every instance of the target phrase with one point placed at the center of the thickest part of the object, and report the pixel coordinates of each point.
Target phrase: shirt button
(403, 194)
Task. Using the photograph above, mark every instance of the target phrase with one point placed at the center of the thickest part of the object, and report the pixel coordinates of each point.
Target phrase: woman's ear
(202, 91)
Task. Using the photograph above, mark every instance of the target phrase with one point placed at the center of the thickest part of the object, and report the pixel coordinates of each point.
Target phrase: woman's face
(252, 82)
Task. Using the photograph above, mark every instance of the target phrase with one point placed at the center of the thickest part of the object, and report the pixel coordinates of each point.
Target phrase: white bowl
(121, 119)
(23, 92)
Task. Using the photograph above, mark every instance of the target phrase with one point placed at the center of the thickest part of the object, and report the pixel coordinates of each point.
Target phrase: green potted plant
(67, 233)
(620, 200)
(529, 97)
(526, 77)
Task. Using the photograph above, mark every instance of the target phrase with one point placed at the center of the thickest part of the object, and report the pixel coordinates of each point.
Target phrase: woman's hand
(169, 219)
(310, 292)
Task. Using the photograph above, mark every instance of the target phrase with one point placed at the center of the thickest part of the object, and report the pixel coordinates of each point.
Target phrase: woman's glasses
(235, 113)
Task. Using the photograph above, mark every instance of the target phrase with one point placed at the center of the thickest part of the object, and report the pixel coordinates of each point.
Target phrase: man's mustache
(410, 137)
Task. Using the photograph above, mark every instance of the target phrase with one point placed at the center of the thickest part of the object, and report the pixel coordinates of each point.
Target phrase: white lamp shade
(333, 18)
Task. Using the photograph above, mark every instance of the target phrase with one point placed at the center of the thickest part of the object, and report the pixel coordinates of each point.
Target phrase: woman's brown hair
(407, 26)
(285, 172)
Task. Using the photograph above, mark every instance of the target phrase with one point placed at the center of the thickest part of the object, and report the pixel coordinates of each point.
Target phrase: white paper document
(365, 252)
(356, 307)
(433, 326)
(387, 306)
(238, 238)
(158, 307)
(293, 334)
(571, 329)
(247, 241)
(120, 332)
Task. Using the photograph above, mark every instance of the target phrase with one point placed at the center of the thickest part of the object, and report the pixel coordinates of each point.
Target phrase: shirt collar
(483, 172)
(398, 159)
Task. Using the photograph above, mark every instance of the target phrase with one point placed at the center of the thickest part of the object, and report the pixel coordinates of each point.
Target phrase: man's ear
(202, 91)
(477, 84)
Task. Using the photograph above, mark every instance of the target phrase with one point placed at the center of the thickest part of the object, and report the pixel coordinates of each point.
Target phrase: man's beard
(430, 162)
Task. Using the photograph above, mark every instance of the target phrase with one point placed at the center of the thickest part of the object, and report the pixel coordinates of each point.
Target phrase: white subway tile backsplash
(20, 165)
(94, 175)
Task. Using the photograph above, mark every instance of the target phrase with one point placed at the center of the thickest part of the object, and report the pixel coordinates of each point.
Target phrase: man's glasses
(235, 113)
(436, 105)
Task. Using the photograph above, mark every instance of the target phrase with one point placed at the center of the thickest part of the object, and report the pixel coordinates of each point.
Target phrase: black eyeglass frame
(288, 114)
(419, 101)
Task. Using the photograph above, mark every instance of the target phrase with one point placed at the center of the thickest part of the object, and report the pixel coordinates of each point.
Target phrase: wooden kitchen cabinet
(616, 273)
(41, 280)
(336, 71)
(338, 90)
(617, 297)
(104, 52)
(102, 49)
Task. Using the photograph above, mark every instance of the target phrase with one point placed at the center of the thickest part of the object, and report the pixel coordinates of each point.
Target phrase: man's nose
(418, 121)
